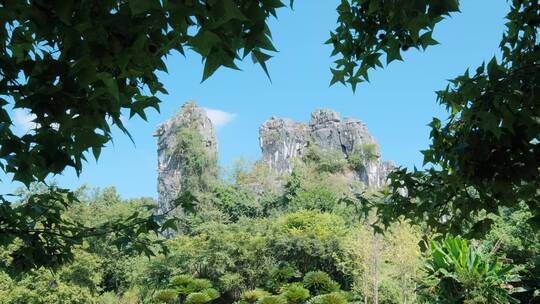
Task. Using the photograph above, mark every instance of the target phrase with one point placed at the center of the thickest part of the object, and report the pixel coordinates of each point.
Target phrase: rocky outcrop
(171, 165)
(281, 140)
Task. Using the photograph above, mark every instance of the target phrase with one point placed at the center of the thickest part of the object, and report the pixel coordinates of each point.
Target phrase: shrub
(167, 296)
(107, 298)
(356, 161)
(212, 293)
(238, 202)
(331, 161)
(308, 240)
(457, 270)
(251, 296)
(319, 282)
(199, 284)
(362, 155)
(198, 298)
(319, 198)
(281, 276)
(181, 280)
(186, 284)
(272, 300)
(295, 293)
(230, 282)
(331, 298)
(200, 165)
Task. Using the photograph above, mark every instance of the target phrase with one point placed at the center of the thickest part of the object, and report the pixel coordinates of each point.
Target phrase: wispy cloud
(219, 118)
(23, 120)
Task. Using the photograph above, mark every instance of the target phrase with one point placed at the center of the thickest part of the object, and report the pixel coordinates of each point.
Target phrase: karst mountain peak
(281, 140)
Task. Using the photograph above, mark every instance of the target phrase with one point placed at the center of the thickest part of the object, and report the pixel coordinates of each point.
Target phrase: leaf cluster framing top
(77, 65)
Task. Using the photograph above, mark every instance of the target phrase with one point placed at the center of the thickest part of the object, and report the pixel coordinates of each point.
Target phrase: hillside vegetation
(309, 240)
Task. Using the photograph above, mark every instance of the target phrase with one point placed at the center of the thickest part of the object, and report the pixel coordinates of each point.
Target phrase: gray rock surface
(170, 164)
(281, 140)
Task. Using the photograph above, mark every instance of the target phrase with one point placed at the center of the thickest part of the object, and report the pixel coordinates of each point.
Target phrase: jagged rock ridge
(282, 139)
(171, 165)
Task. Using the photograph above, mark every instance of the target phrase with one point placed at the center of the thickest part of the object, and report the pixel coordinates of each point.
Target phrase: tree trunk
(376, 257)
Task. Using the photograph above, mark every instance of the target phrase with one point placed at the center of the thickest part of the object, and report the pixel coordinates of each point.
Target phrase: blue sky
(396, 105)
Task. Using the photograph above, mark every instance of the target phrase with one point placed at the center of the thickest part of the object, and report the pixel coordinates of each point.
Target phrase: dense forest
(302, 238)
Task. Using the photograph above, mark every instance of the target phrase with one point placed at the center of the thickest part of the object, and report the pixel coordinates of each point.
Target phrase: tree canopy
(76, 66)
(486, 155)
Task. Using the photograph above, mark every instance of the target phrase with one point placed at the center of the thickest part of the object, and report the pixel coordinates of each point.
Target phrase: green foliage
(483, 159)
(56, 52)
(281, 256)
(43, 287)
(309, 189)
(460, 273)
(272, 300)
(258, 173)
(76, 66)
(238, 202)
(275, 253)
(252, 296)
(198, 298)
(218, 252)
(368, 29)
(37, 222)
(307, 240)
(512, 237)
(331, 161)
(186, 284)
(230, 282)
(486, 155)
(107, 298)
(198, 285)
(319, 198)
(356, 161)
(189, 290)
(97, 265)
(362, 155)
(212, 293)
(168, 296)
(83, 271)
(319, 282)
(281, 276)
(330, 298)
(181, 280)
(48, 220)
(200, 166)
(295, 293)
(386, 266)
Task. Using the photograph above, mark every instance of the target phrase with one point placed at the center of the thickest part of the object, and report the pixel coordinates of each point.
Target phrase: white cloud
(219, 118)
(24, 120)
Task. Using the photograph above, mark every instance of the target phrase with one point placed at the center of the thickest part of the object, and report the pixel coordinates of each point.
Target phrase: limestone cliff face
(284, 139)
(280, 140)
(171, 165)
